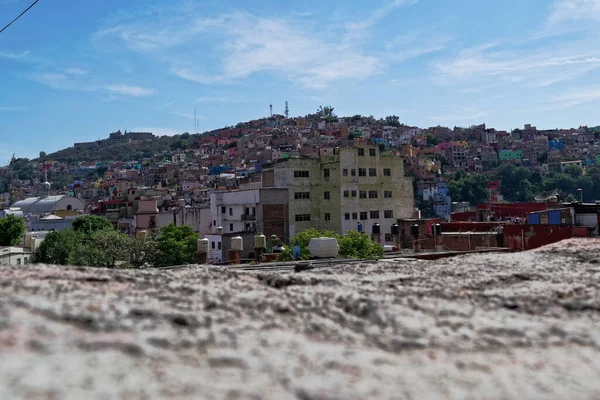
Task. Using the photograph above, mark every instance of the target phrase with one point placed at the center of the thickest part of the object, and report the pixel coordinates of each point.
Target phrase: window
(372, 194)
(212, 244)
(387, 194)
(301, 174)
(327, 217)
(25, 260)
(363, 215)
(346, 193)
(214, 223)
(326, 173)
(374, 214)
(388, 237)
(353, 193)
(387, 172)
(361, 152)
(219, 245)
(230, 227)
(223, 210)
(362, 194)
(353, 172)
(388, 214)
(326, 195)
(362, 172)
(18, 261)
(347, 216)
(301, 195)
(230, 211)
(372, 171)
(372, 152)
(302, 217)
(354, 216)
(345, 172)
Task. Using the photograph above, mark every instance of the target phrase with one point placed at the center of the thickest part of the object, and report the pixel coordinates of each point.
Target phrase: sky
(73, 71)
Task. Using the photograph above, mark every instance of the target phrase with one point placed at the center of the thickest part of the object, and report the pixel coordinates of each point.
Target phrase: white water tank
(323, 247)
(219, 230)
(237, 243)
(260, 241)
(203, 246)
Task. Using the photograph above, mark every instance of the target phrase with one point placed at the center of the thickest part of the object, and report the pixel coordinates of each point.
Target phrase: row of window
(345, 171)
(364, 215)
(371, 214)
(362, 194)
(372, 152)
(363, 172)
(372, 194)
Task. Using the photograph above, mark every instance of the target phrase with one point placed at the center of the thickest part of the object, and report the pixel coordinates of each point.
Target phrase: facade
(353, 187)
(512, 155)
(15, 255)
(47, 205)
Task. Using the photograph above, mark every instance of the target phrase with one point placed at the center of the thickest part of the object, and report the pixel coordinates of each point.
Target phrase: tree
(469, 187)
(176, 245)
(142, 252)
(104, 248)
(11, 230)
(89, 224)
(432, 140)
(573, 170)
(42, 155)
(352, 245)
(58, 247)
(392, 120)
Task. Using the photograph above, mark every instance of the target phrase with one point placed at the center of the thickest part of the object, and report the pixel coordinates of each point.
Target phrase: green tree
(89, 224)
(58, 247)
(176, 245)
(392, 120)
(142, 252)
(432, 140)
(11, 230)
(469, 187)
(104, 248)
(573, 170)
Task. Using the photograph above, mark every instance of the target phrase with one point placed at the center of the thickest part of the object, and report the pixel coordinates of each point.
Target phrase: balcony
(248, 217)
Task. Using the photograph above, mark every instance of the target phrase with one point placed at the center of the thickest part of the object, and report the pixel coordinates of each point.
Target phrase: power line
(20, 15)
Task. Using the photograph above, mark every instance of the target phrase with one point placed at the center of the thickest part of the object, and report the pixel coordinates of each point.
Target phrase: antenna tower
(287, 110)
(271, 107)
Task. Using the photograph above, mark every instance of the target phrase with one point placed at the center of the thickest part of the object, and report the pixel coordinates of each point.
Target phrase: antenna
(195, 122)
(287, 110)
(271, 107)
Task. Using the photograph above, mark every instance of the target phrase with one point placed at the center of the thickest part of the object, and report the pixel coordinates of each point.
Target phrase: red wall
(537, 235)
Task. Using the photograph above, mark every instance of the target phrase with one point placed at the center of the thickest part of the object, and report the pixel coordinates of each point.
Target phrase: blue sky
(77, 70)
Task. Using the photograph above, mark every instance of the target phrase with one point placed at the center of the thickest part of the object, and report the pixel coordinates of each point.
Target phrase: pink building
(145, 217)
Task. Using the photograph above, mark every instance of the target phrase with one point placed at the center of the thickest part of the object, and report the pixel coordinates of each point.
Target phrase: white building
(234, 211)
(13, 255)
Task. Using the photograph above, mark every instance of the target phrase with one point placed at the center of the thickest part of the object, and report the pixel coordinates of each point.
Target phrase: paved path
(491, 326)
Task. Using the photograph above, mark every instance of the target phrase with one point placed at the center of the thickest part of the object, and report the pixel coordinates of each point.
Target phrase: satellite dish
(296, 252)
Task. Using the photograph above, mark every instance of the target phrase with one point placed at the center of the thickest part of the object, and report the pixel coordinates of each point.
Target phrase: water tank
(395, 229)
(260, 241)
(437, 229)
(219, 230)
(237, 243)
(181, 202)
(376, 229)
(142, 234)
(323, 247)
(414, 230)
(203, 246)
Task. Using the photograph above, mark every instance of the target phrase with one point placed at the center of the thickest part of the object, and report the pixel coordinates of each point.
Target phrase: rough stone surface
(493, 326)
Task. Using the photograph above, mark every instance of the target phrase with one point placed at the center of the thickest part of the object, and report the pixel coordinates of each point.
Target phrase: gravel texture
(492, 326)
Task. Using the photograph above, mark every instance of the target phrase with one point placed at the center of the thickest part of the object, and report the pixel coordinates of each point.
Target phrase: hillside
(124, 151)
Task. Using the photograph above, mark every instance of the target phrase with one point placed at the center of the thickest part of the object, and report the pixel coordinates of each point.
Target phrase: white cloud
(466, 114)
(76, 71)
(244, 45)
(188, 115)
(208, 99)
(574, 11)
(12, 108)
(537, 66)
(133, 91)
(576, 97)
